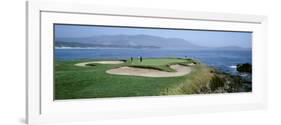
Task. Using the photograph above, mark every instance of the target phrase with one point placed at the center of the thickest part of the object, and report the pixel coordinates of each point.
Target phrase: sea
(224, 60)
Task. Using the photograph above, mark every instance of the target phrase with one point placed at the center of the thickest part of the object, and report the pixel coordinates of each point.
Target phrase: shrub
(247, 67)
(216, 82)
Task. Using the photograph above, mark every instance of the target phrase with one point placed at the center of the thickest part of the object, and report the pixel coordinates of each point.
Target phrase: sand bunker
(191, 64)
(98, 62)
(132, 71)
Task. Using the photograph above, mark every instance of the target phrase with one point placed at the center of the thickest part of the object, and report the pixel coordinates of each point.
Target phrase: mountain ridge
(133, 41)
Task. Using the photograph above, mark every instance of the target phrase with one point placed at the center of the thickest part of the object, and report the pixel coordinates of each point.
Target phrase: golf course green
(90, 78)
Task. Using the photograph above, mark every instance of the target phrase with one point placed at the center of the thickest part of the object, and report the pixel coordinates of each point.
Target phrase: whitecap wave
(233, 67)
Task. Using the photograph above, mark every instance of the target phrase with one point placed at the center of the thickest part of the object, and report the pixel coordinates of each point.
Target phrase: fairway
(74, 82)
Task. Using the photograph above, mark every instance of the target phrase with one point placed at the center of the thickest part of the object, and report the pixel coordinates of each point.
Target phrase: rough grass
(193, 83)
(72, 82)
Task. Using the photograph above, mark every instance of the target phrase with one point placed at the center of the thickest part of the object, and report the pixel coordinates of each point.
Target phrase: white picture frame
(41, 107)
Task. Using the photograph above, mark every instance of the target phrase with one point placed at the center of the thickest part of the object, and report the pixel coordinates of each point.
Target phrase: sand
(132, 71)
(191, 64)
(84, 64)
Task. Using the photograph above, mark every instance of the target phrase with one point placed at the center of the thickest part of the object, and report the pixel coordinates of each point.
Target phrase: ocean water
(222, 60)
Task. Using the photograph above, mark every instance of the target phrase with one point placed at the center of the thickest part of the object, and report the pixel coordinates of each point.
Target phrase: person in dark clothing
(140, 58)
(131, 59)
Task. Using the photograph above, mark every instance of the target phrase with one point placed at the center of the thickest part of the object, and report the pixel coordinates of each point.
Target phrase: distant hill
(230, 48)
(131, 41)
(60, 44)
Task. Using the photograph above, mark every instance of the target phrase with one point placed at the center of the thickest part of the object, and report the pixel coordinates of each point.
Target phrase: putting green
(157, 62)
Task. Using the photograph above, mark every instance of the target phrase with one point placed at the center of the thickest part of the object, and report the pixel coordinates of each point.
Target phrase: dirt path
(180, 71)
(98, 62)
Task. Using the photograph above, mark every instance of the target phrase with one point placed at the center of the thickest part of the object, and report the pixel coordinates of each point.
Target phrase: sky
(197, 37)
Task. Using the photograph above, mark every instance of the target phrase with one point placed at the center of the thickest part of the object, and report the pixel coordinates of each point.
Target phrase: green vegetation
(74, 82)
(216, 82)
(193, 83)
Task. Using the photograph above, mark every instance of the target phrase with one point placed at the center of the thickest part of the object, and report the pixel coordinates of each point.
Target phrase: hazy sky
(198, 37)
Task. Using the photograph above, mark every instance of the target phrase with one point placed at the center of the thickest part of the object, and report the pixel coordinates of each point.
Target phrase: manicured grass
(73, 82)
(158, 63)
